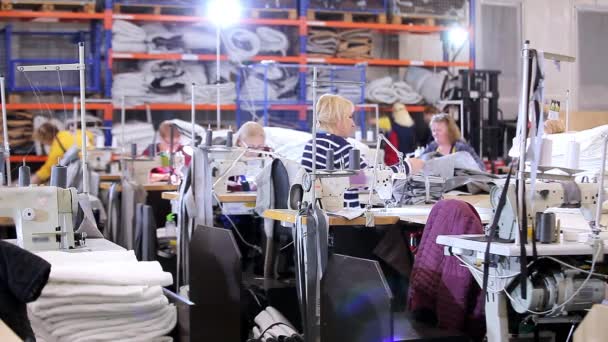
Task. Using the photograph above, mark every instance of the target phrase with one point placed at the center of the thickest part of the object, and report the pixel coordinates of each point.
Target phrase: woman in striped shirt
(335, 121)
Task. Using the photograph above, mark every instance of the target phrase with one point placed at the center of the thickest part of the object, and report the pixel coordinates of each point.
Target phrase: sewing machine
(99, 159)
(139, 169)
(42, 216)
(232, 162)
(554, 291)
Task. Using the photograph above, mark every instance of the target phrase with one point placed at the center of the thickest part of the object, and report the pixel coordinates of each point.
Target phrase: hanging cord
(65, 111)
(236, 230)
(37, 94)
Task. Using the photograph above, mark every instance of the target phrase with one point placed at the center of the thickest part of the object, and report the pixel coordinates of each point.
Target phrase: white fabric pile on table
(590, 140)
(385, 90)
(102, 296)
(128, 37)
(356, 43)
(322, 43)
(273, 324)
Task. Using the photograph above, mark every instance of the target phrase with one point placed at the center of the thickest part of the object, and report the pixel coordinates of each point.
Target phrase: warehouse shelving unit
(302, 24)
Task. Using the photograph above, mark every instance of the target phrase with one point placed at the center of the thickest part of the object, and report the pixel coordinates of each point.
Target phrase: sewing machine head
(231, 163)
(546, 195)
(99, 159)
(139, 169)
(42, 216)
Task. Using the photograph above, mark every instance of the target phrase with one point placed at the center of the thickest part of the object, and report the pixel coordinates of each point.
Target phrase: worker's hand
(35, 180)
(416, 165)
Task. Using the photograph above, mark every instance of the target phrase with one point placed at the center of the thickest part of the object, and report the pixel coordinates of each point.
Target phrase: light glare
(224, 13)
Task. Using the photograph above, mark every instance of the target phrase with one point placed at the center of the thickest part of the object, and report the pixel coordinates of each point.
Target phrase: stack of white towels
(102, 296)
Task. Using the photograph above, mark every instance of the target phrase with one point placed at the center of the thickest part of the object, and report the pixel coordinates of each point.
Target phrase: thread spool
(546, 152)
(358, 135)
(354, 159)
(539, 217)
(133, 151)
(329, 160)
(208, 137)
(229, 139)
(547, 228)
(59, 176)
(370, 135)
(573, 153)
(24, 176)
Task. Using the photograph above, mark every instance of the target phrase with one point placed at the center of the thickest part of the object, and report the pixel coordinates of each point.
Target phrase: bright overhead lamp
(224, 13)
(457, 36)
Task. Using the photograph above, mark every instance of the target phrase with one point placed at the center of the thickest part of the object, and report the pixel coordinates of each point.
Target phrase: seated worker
(335, 120)
(60, 142)
(447, 140)
(163, 148)
(250, 135)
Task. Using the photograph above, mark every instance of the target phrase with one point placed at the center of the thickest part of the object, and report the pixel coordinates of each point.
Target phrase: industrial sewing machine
(139, 169)
(232, 162)
(99, 159)
(43, 216)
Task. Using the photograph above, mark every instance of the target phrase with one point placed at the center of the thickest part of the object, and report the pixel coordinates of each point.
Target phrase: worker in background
(424, 135)
(60, 142)
(402, 134)
(446, 139)
(250, 135)
(163, 148)
(335, 121)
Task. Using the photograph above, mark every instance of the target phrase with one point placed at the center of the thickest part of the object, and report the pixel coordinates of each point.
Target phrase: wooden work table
(288, 215)
(233, 197)
(109, 177)
(147, 187)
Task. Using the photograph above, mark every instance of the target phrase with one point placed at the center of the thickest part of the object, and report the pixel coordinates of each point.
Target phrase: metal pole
(123, 116)
(75, 114)
(193, 118)
(314, 133)
(83, 124)
(7, 148)
(522, 122)
(568, 110)
(217, 76)
(600, 191)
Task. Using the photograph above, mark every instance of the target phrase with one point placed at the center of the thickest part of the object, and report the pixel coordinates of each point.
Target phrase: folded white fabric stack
(327, 84)
(102, 296)
(385, 90)
(140, 133)
(128, 37)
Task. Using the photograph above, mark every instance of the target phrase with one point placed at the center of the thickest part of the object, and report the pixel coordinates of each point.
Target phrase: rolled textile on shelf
(240, 44)
(385, 90)
(161, 40)
(199, 39)
(128, 37)
(272, 40)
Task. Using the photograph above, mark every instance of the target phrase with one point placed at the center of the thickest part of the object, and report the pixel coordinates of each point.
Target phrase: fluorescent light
(224, 13)
(457, 36)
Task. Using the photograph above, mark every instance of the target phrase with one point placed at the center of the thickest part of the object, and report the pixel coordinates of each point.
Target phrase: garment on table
(62, 142)
(23, 275)
(458, 146)
(440, 288)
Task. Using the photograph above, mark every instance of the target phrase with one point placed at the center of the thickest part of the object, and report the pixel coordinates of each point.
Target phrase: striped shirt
(341, 148)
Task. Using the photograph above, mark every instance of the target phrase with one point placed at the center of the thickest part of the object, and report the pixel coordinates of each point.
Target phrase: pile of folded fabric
(322, 43)
(268, 83)
(128, 37)
(102, 296)
(161, 40)
(356, 43)
(328, 83)
(418, 189)
(385, 90)
(20, 128)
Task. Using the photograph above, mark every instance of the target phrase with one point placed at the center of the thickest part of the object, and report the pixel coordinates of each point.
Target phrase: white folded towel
(57, 257)
(112, 273)
(69, 290)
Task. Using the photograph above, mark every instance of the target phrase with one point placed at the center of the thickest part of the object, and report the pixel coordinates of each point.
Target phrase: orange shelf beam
(195, 57)
(33, 159)
(54, 106)
(386, 62)
(51, 15)
(180, 106)
(194, 19)
(377, 27)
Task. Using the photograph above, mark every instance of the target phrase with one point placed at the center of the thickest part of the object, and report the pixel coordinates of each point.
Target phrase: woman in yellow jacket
(60, 142)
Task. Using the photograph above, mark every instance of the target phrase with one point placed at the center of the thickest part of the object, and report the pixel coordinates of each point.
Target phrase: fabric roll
(161, 40)
(272, 40)
(128, 37)
(385, 90)
(240, 44)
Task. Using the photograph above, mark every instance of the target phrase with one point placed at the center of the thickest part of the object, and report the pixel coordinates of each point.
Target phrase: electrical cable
(236, 230)
(65, 112)
(580, 288)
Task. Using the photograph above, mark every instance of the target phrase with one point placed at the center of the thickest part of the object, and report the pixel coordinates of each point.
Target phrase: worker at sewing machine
(446, 139)
(169, 142)
(250, 135)
(60, 142)
(335, 120)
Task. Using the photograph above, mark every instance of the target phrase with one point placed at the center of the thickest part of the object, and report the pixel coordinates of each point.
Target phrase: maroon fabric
(439, 285)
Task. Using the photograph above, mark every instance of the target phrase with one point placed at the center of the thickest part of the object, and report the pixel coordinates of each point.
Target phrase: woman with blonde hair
(446, 138)
(335, 121)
